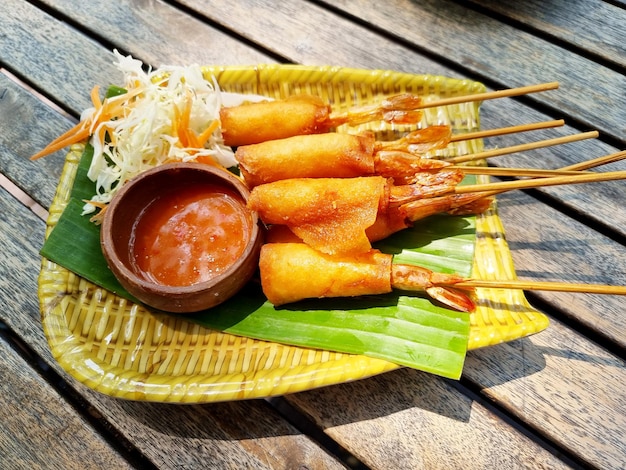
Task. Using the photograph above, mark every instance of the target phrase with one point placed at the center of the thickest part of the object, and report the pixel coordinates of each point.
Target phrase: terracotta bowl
(118, 238)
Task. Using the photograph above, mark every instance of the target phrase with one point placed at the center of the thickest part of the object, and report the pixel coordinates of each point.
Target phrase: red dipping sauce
(190, 235)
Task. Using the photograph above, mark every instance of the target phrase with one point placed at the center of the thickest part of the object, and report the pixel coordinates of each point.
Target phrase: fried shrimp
(294, 271)
(252, 123)
(342, 156)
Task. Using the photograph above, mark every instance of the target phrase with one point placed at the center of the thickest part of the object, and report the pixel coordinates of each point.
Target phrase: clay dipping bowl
(118, 237)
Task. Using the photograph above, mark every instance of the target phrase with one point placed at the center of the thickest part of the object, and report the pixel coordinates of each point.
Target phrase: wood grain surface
(554, 400)
(229, 435)
(575, 23)
(40, 429)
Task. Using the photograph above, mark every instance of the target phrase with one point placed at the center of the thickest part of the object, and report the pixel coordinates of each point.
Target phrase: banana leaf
(409, 330)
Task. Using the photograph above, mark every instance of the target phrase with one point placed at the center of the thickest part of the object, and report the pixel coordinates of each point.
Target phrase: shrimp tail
(456, 204)
(424, 187)
(397, 109)
(439, 286)
(405, 167)
(420, 141)
(399, 217)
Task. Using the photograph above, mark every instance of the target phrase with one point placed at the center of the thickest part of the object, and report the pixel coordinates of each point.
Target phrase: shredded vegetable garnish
(170, 114)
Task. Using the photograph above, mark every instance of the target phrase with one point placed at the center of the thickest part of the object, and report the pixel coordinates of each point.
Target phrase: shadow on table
(399, 391)
(383, 395)
(404, 394)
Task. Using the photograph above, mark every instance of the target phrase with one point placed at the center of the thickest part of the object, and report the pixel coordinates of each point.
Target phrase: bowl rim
(121, 269)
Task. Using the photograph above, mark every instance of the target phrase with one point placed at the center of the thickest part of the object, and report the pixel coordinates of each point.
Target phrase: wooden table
(553, 400)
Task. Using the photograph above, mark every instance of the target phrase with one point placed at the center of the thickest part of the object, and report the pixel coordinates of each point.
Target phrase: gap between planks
(24, 198)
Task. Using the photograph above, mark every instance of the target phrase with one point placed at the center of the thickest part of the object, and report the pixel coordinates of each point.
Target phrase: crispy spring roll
(330, 214)
(295, 271)
(268, 120)
(337, 155)
(307, 156)
(333, 215)
(305, 114)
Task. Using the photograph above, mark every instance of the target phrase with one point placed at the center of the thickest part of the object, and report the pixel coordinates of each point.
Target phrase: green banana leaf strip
(75, 241)
(409, 330)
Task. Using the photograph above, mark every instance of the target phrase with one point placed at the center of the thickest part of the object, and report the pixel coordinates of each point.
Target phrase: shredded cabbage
(146, 131)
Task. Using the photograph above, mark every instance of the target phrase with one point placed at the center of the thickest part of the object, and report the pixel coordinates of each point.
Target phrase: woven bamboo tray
(121, 349)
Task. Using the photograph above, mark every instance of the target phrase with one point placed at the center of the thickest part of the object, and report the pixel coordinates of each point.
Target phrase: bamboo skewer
(549, 181)
(492, 189)
(507, 130)
(575, 169)
(557, 286)
(520, 172)
(612, 158)
(545, 286)
(523, 147)
(490, 95)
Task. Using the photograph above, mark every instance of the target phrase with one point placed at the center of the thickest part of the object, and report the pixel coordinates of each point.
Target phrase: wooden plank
(561, 384)
(231, 435)
(549, 246)
(492, 50)
(433, 425)
(306, 33)
(38, 125)
(575, 23)
(53, 55)
(223, 435)
(157, 33)
(39, 429)
(601, 203)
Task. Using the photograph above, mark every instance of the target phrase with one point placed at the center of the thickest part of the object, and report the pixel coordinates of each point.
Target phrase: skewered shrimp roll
(333, 214)
(252, 123)
(341, 156)
(294, 271)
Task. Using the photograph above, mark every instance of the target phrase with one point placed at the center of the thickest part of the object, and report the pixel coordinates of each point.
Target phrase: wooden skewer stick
(612, 158)
(546, 286)
(556, 286)
(549, 181)
(490, 95)
(519, 172)
(523, 147)
(507, 130)
(575, 169)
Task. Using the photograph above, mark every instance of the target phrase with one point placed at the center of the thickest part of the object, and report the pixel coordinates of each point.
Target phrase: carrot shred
(79, 134)
(67, 134)
(105, 111)
(95, 97)
(207, 160)
(206, 134)
(192, 139)
(97, 218)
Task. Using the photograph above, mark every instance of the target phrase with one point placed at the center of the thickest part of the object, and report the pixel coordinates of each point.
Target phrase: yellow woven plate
(120, 349)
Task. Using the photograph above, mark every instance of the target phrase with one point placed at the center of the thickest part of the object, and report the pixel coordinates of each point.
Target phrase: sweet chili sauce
(190, 235)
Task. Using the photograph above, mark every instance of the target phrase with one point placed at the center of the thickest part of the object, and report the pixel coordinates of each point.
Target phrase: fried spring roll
(268, 120)
(330, 214)
(338, 155)
(307, 156)
(294, 271)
